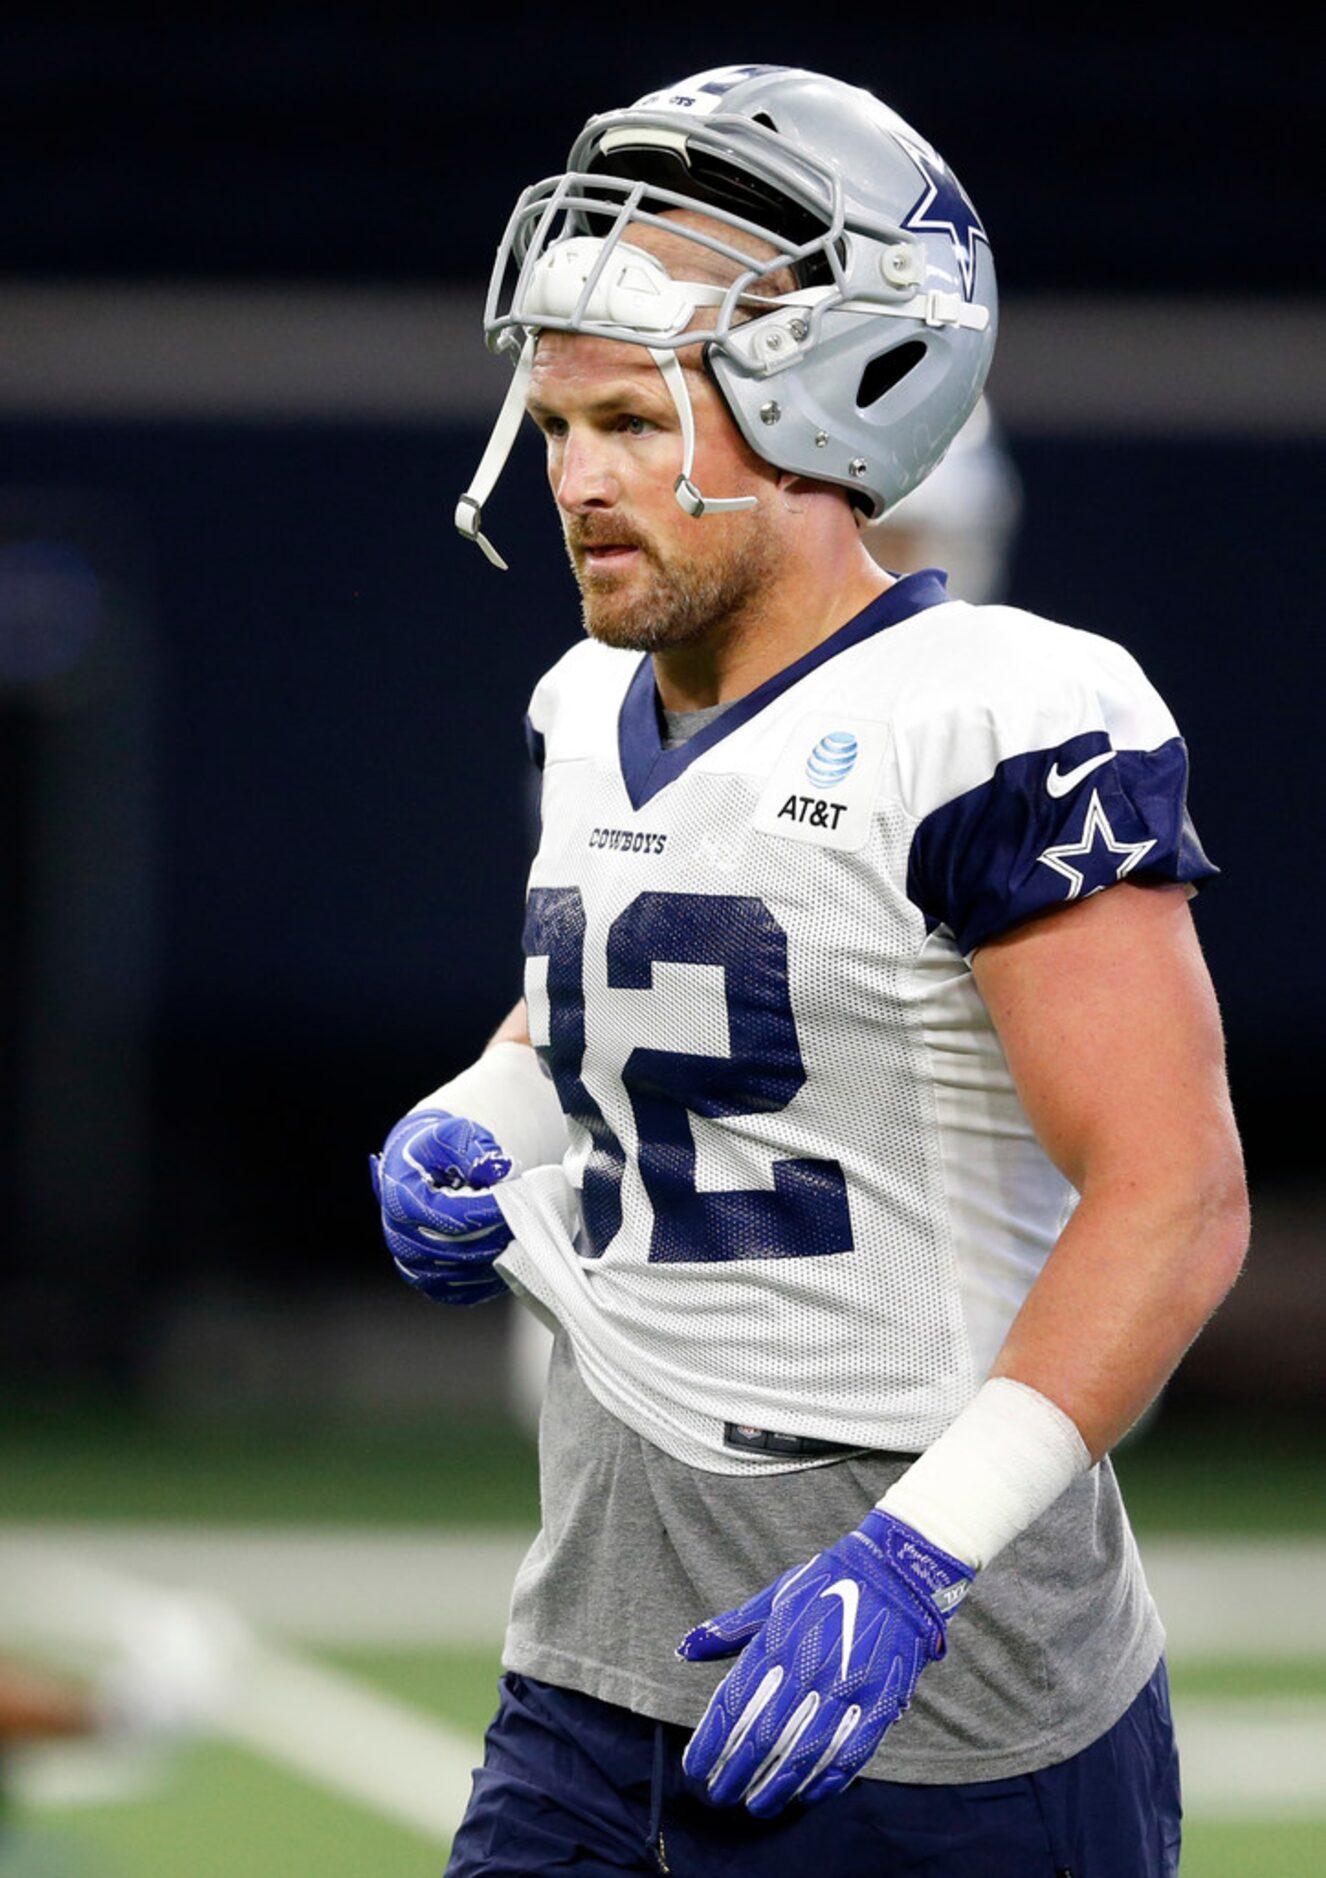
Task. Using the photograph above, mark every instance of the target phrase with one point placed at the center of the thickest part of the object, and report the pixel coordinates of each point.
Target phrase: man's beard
(683, 601)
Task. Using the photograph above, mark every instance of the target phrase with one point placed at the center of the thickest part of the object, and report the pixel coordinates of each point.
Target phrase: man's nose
(586, 479)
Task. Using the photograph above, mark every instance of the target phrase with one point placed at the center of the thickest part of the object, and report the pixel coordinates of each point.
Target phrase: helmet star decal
(943, 208)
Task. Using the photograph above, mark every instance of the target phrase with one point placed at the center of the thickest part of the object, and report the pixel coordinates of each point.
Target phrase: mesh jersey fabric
(801, 1192)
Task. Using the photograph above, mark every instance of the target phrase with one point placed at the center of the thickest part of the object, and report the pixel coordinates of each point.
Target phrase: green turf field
(221, 1811)
(226, 1805)
(1227, 1475)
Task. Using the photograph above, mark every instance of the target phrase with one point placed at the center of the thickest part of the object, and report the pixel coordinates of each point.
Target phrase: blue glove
(441, 1227)
(833, 1650)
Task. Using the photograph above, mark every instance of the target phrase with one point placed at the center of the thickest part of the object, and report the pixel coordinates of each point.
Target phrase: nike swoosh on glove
(441, 1225)
(832, 1653)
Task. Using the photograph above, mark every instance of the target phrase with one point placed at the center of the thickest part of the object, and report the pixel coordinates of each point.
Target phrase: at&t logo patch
(822, 788)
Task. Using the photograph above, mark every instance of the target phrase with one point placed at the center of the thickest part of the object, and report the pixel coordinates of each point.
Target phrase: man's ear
(794, 490)
(798, 492)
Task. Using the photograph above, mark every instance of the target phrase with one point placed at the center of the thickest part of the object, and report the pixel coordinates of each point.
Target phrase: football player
(863, 1129)
(964, 518)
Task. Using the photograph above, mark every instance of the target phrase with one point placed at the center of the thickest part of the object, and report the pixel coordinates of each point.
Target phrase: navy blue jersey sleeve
(1050, 826)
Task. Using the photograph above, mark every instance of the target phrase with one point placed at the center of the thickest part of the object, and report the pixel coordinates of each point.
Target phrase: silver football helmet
(860, 375)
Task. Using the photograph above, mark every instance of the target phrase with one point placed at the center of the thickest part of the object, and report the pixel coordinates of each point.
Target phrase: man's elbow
(1224, 1225)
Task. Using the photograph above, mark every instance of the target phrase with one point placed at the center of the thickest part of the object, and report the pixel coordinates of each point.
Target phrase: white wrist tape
(1006, 1458)
(509, 1093)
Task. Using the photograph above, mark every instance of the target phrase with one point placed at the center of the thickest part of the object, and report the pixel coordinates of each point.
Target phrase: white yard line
(338, 1585)
(343, 1585)
(327, 1726)
(1244, 1597)
(85, 1587)
(345, 1736)
(338, 1733)
(1250, 1759)
(79, 1773)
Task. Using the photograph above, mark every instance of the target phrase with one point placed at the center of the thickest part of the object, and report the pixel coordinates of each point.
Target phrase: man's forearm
(1132, 1279)
(1111, 1030)
(1136, 1273)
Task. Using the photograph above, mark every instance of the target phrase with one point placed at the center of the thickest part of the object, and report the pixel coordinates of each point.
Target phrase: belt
(748, 1440)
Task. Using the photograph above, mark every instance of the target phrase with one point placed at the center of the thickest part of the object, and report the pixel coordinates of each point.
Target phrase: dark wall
(339, 799)
(282, 858)
(1103, 153)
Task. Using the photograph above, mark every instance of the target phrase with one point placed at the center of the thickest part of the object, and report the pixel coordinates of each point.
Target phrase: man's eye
(636, 426)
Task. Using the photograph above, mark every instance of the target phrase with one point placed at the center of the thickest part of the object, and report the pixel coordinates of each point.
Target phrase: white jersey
(802, 1198)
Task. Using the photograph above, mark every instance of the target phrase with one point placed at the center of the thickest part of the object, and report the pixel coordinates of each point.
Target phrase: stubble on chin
(678, 604)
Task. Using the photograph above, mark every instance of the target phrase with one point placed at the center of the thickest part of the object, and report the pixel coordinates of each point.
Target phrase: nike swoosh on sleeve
(1058, 784)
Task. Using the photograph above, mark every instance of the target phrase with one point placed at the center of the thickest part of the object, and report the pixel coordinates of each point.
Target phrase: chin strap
(469, 510)
(688, 496)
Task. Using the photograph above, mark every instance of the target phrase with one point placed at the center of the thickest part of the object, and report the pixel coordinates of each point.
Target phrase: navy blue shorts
(573, 1784)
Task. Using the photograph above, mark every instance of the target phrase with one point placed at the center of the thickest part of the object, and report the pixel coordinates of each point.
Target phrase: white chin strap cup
(576, 280)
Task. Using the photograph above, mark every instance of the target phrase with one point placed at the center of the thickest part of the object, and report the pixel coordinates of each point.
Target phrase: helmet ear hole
(888, 369)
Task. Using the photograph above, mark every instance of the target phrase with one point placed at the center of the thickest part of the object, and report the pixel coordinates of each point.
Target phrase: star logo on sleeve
(1103, 859)
(944, 209)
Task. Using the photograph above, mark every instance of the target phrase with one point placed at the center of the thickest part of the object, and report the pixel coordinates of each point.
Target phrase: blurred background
(266, 820)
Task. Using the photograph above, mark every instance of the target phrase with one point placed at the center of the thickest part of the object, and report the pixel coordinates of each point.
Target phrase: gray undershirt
(680, 726)
(1053, 1642)
(1051, 1645)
